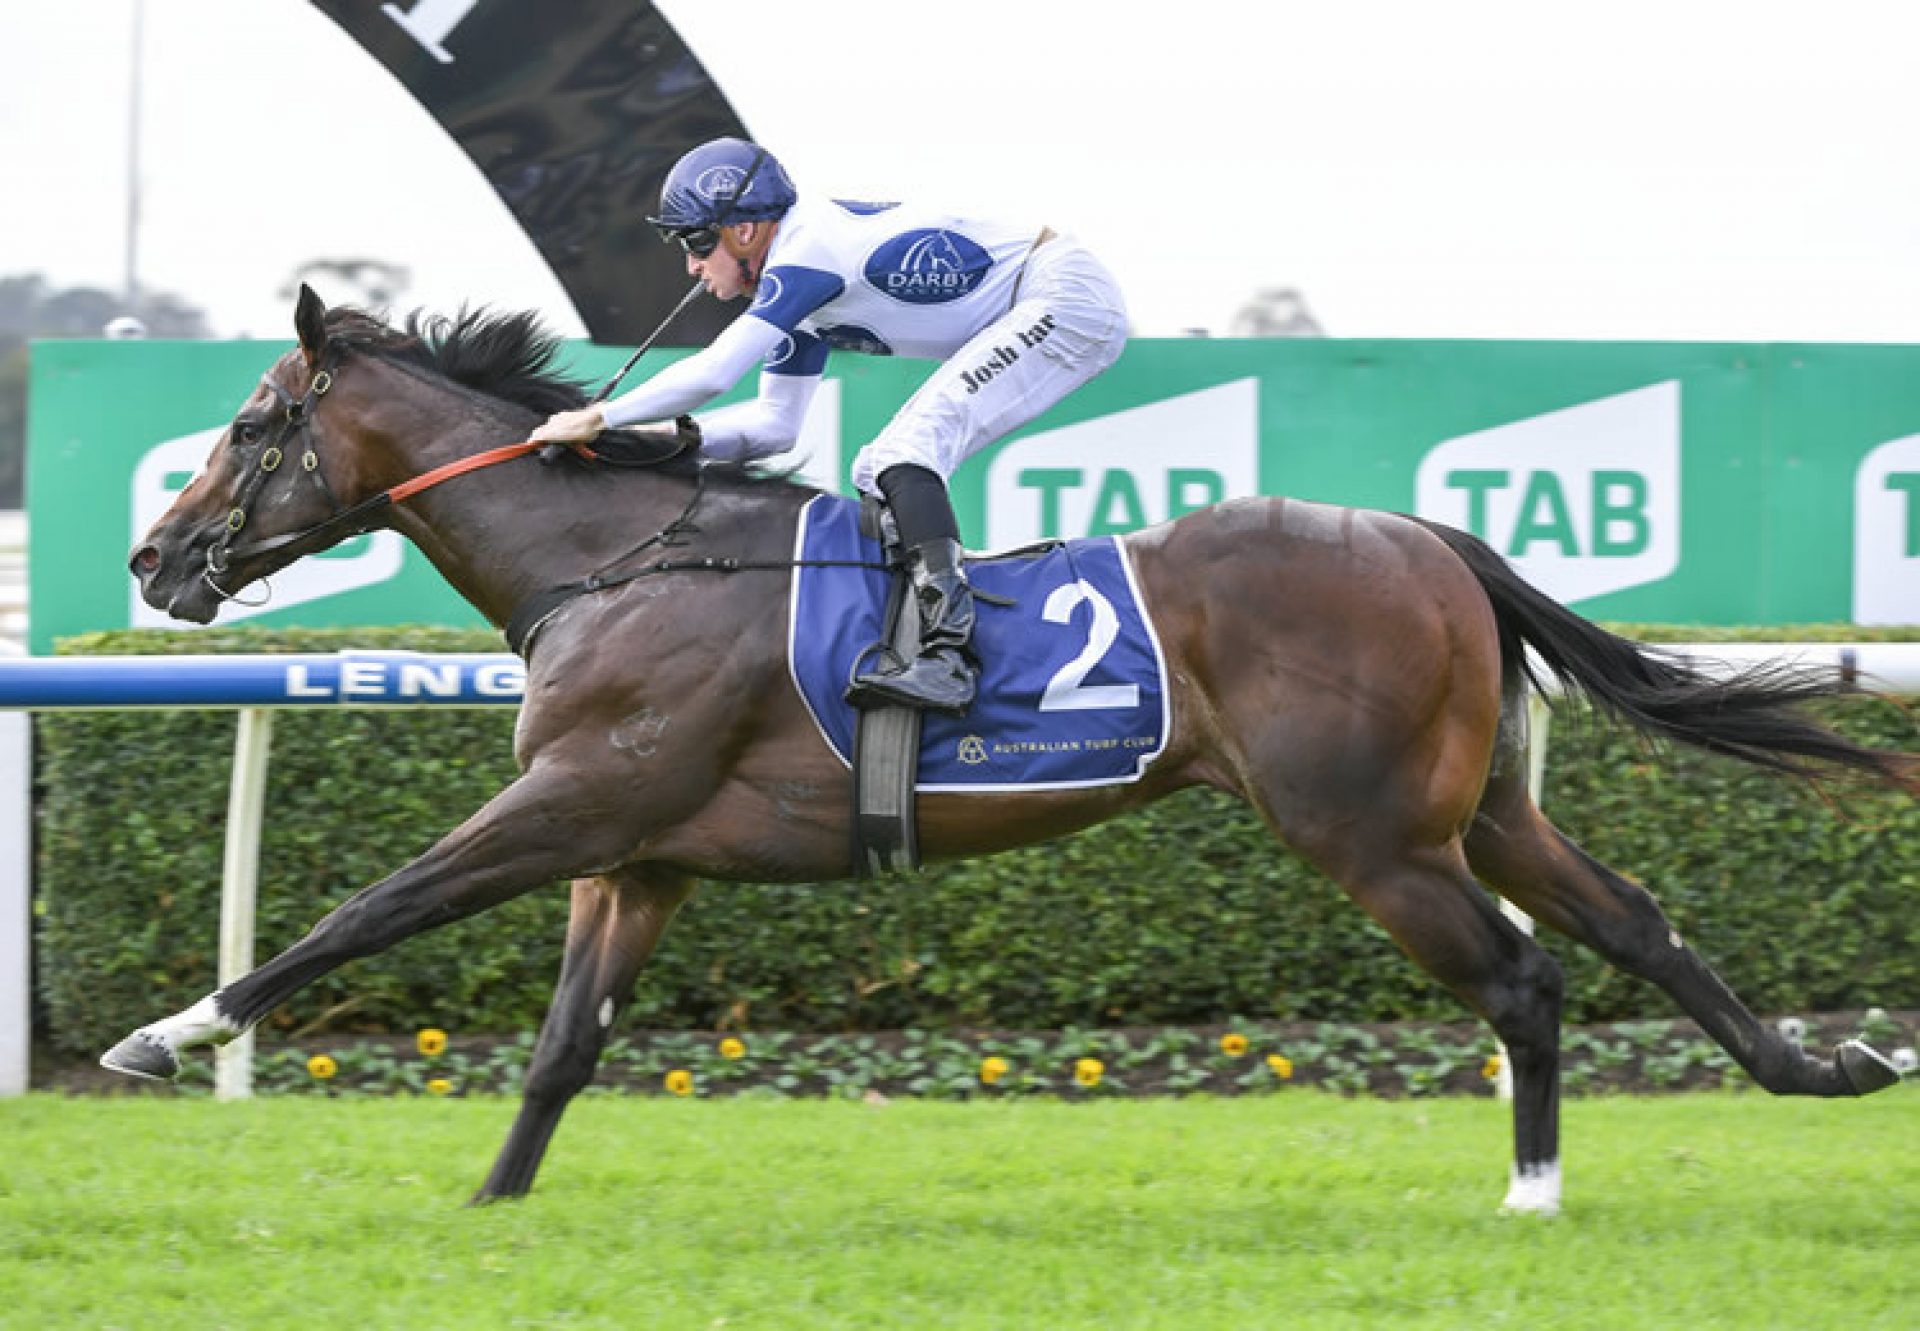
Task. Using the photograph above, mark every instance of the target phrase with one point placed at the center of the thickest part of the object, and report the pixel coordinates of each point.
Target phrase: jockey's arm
(767, 424)
(698, 379)
(768, 334)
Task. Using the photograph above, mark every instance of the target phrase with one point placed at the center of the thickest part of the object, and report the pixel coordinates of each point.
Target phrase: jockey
(1018, 316)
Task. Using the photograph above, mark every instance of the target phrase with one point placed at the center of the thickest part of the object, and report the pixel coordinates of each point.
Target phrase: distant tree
(13, 427)
(32, 308)
(372, 284)
(1275, 312)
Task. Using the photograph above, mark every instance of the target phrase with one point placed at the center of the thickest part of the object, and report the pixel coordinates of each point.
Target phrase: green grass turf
(1294, 1210)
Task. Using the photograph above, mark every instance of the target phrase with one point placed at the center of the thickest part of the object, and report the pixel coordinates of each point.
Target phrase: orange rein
(506, 453)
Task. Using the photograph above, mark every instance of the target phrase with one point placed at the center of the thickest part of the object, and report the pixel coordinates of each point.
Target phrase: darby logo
(165, 471)
(1583, 501)
(1117, 474)
(1886, 534)
(927, 267)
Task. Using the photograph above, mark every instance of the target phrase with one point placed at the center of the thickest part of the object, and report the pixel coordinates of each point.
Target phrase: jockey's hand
(571, 427)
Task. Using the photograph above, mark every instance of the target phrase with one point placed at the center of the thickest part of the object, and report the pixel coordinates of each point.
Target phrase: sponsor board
(1886, 534)
(1681, 483)
(1583, 501)
(1127, 469)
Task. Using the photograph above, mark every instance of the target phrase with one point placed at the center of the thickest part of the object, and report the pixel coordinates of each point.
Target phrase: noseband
(295, 420)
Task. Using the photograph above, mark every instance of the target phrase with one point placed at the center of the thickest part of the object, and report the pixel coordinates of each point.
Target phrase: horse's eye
(249, 432)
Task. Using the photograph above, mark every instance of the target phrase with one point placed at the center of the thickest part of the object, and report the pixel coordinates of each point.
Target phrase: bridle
(296, 421)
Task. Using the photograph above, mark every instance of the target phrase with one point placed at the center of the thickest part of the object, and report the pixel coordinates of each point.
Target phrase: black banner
(573, 110)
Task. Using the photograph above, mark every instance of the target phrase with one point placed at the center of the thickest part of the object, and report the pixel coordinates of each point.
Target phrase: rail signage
(348, 679)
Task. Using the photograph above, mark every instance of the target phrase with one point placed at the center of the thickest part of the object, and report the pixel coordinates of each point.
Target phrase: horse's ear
(310, 322)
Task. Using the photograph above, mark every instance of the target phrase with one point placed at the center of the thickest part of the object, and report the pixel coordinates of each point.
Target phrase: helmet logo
(720, 181)
(927, 267)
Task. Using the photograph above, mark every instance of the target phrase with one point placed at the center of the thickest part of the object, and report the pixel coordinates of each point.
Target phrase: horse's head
(265, 496)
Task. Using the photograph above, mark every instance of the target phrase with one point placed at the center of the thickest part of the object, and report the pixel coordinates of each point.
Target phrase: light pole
(133, 161)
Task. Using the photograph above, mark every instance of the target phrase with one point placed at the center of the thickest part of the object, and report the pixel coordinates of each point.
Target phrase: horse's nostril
(146, 559)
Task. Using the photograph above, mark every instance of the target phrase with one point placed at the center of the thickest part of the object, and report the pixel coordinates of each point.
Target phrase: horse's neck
(504, 532)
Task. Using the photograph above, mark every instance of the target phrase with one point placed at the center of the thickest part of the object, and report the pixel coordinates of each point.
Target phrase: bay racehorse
(1357, 677)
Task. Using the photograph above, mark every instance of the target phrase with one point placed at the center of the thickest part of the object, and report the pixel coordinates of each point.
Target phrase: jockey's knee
(888, 452)
(922, 509)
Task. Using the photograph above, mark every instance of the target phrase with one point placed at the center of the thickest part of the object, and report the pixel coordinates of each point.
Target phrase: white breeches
(1068, 324)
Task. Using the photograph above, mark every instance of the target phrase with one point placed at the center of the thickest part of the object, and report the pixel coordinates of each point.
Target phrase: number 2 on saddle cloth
(1073, 688)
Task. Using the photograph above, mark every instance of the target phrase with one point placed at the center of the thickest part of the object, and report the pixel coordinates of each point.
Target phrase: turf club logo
(927, 266)
(972, 751)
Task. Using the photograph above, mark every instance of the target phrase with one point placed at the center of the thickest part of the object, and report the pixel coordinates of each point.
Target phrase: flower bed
(1393, 1060)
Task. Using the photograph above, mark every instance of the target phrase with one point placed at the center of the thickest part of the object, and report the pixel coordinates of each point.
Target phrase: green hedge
(1183, 914)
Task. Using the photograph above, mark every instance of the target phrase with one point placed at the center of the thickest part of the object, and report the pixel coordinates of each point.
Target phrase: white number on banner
(1065, 691)
(430, 22)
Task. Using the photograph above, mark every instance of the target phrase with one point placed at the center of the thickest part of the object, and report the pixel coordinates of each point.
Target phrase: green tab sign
(1696, 483)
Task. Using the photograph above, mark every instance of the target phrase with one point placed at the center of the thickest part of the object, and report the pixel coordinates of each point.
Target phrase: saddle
(1073, 687)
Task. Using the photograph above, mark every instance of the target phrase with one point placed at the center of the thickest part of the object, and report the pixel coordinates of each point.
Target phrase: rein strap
(406, 490)
(350, 519)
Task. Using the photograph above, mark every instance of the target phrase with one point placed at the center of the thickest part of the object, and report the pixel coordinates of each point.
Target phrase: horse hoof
(141, 1055)
(1865, 1068)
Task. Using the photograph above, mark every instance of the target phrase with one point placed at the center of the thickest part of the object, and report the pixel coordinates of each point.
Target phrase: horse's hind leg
(1513, 847)
(616, 920)
(1447, 923)
(1386, 840)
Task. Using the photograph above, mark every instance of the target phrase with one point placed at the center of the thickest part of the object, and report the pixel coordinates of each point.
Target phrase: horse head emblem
(934, 252)
(719, 182)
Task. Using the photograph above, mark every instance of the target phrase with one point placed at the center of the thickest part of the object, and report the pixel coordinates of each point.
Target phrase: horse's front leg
(550, 824)
(615, 922)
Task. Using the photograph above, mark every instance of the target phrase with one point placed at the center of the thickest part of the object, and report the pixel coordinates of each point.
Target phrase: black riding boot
(941, 675)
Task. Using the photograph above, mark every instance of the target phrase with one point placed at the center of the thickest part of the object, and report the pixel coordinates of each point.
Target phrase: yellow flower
(732, 1048)
(1232, 1045)
(1087, 1071)
(439, 1086)
(1491, 1068)
(993, 1069)
(431, 1041)
(680, 1082)
(321, 1066)
(1282, 1066)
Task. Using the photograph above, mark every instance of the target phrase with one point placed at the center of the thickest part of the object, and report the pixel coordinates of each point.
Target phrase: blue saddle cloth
(1073, 688)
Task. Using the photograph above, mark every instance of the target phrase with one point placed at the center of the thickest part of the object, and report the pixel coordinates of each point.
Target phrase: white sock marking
(199, 1024)
(1535, 1190)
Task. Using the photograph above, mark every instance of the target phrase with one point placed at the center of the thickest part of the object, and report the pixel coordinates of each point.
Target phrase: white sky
(1686, 169)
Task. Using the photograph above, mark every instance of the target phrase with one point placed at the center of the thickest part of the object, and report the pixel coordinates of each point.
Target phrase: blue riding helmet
(705, 188)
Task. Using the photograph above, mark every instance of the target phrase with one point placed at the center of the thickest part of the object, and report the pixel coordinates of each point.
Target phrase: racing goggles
(699, 241)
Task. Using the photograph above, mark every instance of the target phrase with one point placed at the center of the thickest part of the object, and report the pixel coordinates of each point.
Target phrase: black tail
(1753, 716)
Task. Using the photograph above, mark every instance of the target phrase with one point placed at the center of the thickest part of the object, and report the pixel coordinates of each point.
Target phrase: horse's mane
(509, 356)
(506, 355)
